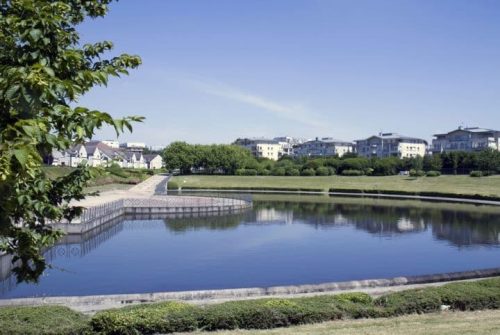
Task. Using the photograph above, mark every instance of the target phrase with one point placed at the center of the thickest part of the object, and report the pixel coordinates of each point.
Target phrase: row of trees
(235, 160)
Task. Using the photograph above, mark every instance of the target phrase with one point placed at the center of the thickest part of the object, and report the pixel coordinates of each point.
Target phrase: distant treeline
(236, 160)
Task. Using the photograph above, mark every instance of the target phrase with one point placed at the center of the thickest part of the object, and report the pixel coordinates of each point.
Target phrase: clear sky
(215, 70)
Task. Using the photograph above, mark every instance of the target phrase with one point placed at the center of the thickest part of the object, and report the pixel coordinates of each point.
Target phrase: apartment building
(261, 148)
(466, 139)
(323, 147)
(288, 144)
(391, 145)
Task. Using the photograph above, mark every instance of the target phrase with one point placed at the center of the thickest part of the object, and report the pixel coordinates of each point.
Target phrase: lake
(283, 240)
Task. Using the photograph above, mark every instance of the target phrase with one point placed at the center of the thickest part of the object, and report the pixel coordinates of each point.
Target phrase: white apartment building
(323, 147)
(466, 139)
(391, 145)
(287, 144)
(261, 148)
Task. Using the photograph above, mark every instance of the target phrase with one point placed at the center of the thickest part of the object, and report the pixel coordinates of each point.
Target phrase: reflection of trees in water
(222, 222)
(459, 226)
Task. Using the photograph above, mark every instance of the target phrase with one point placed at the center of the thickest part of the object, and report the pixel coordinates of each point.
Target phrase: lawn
(446, 323)
(462, 184)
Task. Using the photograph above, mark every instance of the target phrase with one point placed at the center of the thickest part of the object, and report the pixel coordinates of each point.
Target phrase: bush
(323, 171)
(476, 174)
(308, 172)
(172, 185)
(42, 320)
(417, 173)
(116, 170)
(246, 172)
(292, 172)
(411, 301)
(433, 174)
(278, 172)
(147, 319)
(264, 172)
(352, 173)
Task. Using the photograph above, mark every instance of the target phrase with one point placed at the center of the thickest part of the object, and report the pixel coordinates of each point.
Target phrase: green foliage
(278, 171)
(417, 173)
(352, 173)
(42, 320)
(433, 174)
(43, 71)
(308, 172)
(292, 172)
(147, 319)
(476, 174)
(168, 317)
(325, 171)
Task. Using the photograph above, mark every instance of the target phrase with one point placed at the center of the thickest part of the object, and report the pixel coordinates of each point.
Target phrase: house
(261, 148)
(97, 153)
(323, 147)
(391, 145)
(153, 161)
(466, 139)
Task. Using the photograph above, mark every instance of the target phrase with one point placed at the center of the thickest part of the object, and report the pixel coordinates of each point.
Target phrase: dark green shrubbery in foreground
(266, 313)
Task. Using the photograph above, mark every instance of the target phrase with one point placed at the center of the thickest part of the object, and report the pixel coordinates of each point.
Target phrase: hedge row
(267, 313)
(422, 194)
(271, 313)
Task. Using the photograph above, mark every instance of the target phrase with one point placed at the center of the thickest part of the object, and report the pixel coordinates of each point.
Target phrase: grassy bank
(105, 179)
(268, 313)
(464, 185)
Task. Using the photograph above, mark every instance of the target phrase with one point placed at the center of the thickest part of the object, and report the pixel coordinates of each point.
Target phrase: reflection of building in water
(271, 215)
(406, 224)
(466, 235)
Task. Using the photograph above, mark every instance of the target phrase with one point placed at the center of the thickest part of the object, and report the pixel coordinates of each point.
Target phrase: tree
(180, 155)
(43, 72)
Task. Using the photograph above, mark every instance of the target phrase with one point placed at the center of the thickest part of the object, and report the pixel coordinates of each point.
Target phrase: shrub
(352, 173)
(116, 170)
(308, 172)
(278, 172)
(411, 301)
(476, 174)
(147, 319)
(246, 172)
(264, 172)
(356, 297)
(323, 171)
(417, 173)
(42, 320)
(433, 174)
(172, 185)
(292, 172)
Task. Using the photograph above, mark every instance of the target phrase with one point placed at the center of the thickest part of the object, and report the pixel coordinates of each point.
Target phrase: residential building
(133, 146)
(261, 148)
(466, 139)
(391, 145)
(97, 153)
(323, 147)
(111, 143)
(153, 161)
(287, 144)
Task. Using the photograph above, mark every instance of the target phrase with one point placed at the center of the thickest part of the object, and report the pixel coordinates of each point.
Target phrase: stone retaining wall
(371, 286)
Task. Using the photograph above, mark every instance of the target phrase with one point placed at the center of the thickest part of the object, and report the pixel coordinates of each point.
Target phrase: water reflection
(462, 226)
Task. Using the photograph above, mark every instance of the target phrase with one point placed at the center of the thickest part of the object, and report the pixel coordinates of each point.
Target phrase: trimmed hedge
(168, 317)
(352, 173)
(42, 320)
(271, 313)
(422, 194)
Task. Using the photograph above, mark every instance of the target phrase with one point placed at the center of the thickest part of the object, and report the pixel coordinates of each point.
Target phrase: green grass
(118, 179)
(486, 186)
(41, 320)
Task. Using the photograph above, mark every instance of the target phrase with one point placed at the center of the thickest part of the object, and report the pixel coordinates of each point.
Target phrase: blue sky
(215, 70)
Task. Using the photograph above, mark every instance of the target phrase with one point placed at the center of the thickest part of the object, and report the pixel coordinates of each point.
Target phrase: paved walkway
(156, 184)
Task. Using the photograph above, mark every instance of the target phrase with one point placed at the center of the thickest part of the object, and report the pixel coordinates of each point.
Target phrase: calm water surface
(283, 240)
